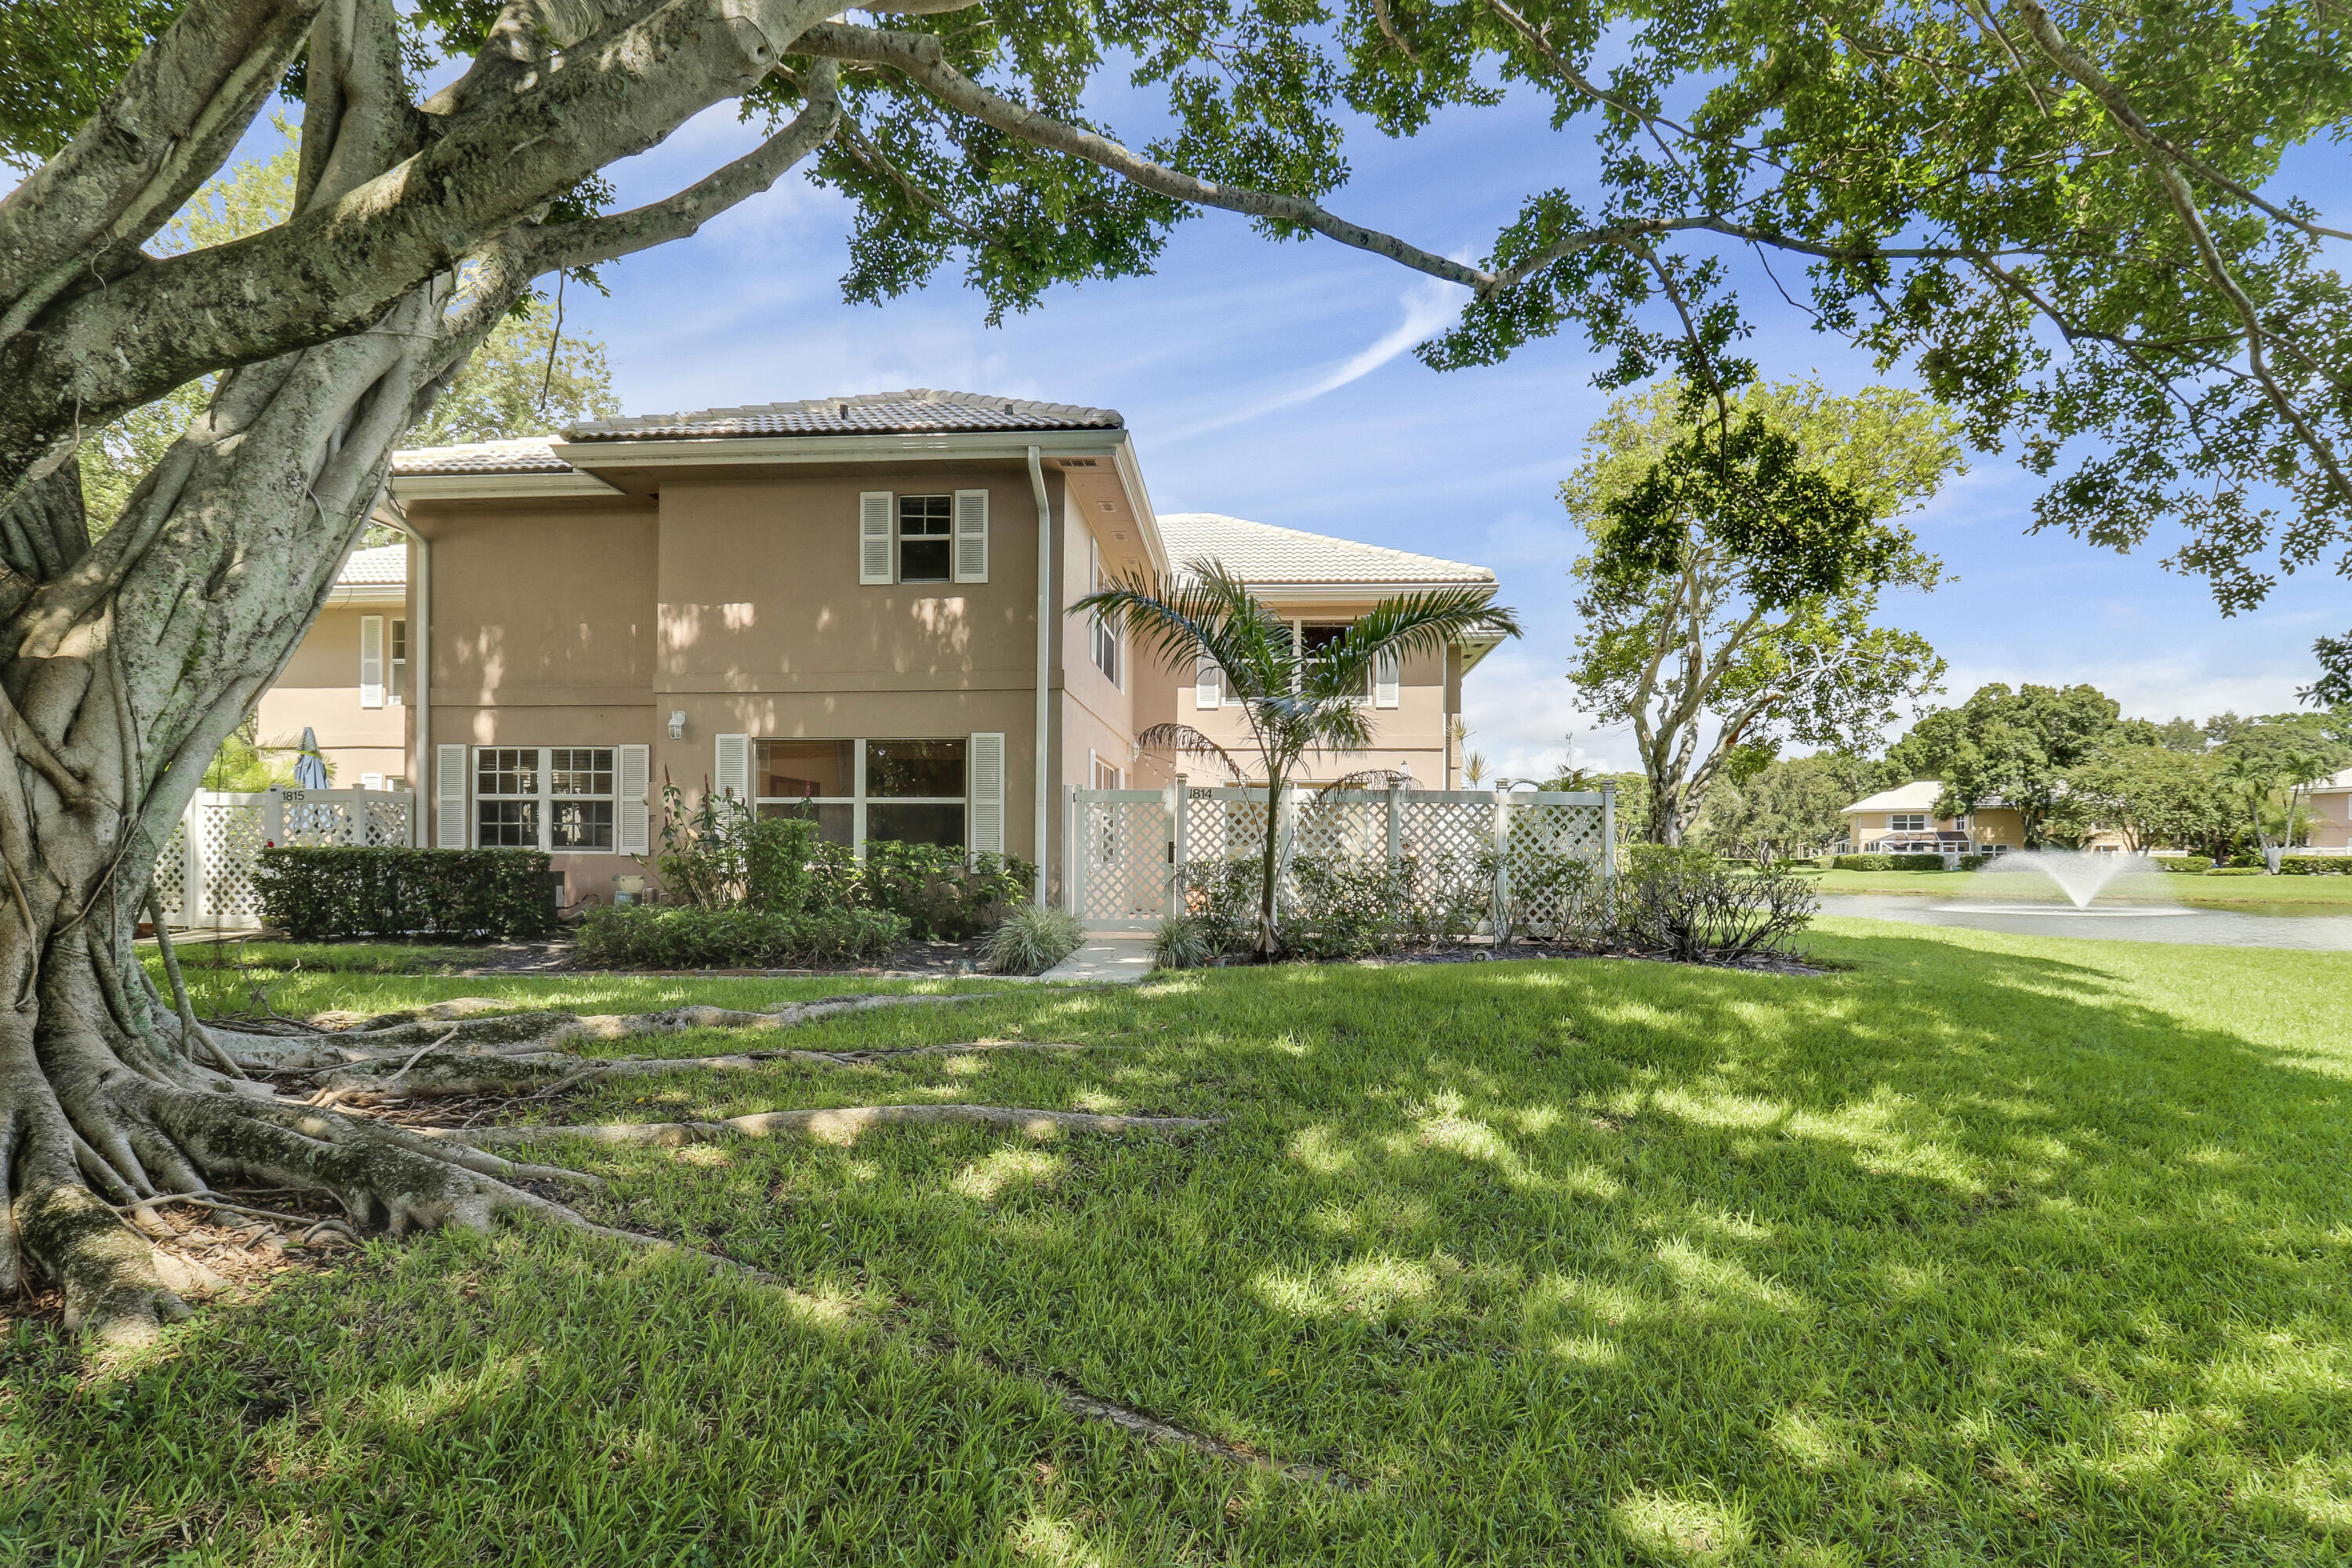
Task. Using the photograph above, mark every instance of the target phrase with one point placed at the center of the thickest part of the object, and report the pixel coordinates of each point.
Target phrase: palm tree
(1295, 699)
(2256, 774)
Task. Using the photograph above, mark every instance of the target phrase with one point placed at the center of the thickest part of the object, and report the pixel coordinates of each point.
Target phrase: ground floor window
(862, 791)
(556, 798)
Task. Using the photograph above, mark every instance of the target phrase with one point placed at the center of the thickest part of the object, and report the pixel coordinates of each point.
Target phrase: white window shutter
(987, 807)
(449, 797)
(732, 776)
(370, 662)
(971, 536)
(875, 526)
(1208, 686)
(634, 768)
(1386, 674)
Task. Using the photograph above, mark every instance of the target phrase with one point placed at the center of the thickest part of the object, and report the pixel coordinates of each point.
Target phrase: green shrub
(1033, 938)
(1918, 862)
(2186, 865)
(1556, 897)
(2248, 861)
(317, 892)
(2315, 865)
(1180, 943)
(1974, 862)
(2236, 871)
(942, 894)
(776, 855)
(681, 937)
(1640, 859)
(1862, 862)
(1339, 909)
(1222, 896)
(1703, 914)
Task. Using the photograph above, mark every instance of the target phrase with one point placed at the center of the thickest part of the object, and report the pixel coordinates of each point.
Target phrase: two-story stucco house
(1902, 820)
(852, 604)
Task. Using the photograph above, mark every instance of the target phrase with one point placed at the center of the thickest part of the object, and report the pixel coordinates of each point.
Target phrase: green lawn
(2187, 889)
(1985, 1250)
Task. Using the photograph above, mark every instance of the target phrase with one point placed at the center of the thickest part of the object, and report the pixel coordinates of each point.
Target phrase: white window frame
(1105, 775)
(861, 798)
(1298, 640)
(1105, 642)
(1906, 822)
(546, 798)
(396, 661)
(945, 538)
(370, 662)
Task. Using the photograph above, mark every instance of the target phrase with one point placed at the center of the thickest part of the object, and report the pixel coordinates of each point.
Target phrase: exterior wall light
(678, 724)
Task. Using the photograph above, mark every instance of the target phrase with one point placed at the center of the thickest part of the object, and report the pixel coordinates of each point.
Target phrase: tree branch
(608, 238)
(921, 57)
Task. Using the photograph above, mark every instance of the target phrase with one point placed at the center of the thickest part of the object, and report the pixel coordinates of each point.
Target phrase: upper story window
(1906, 822)
(398, 674)
(926, 533)
(1105, 640)
(1315, 637)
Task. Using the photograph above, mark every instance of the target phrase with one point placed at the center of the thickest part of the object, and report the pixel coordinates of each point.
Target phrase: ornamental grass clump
(1033, 938)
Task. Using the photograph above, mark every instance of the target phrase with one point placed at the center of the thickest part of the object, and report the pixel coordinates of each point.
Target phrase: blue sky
(1275, 382)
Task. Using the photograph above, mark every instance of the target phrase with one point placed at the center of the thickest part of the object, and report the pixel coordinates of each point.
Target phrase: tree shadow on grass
(1961, 1257)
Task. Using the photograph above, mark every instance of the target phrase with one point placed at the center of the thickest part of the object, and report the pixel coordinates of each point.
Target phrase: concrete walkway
(1123, 959)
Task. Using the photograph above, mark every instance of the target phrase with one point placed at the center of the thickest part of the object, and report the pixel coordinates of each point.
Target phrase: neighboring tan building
(2331, 812)
(1902, 821)
(836, 602)
(346, 680)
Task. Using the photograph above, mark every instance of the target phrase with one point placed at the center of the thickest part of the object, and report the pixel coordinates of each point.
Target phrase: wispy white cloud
(1428, 305)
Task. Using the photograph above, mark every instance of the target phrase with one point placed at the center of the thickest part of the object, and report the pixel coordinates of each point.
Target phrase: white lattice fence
(1121, 873)
(204, 872)
(1455, 857)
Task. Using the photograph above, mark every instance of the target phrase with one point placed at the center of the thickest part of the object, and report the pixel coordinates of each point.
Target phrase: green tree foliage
(1737, 560)
(2157, 796)
(509, 387)
(1791, 806)
(2015, 746)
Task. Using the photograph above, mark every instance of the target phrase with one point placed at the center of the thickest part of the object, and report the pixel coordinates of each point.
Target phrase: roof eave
(942, 446)
(407, 487)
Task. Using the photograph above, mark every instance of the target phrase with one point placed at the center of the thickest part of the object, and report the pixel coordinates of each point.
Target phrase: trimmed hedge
(2187, 865)
(2316, 865)
(346, 891)
(683, 938)
(2237, 871)
(1888, 863)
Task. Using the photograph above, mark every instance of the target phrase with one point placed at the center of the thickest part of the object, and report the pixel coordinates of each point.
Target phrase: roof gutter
(1042, 825)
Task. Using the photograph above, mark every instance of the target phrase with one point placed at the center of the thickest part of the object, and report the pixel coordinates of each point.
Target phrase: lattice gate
(205, 871)
(1458, 860)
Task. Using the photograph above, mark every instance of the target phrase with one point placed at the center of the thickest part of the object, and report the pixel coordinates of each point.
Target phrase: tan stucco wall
(1411, 734)
(2331, 826)
(321, 688)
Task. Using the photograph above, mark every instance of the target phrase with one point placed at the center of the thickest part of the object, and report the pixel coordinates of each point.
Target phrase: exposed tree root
(840, 1125)
(437, 1074)
(459, 1026)
(1150, 1428)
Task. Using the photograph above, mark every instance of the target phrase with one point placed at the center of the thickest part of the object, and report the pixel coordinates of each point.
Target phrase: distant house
(1903, 821)
(2331, 812)
(348, 679)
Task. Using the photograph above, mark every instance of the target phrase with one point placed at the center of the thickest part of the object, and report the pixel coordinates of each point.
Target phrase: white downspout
(420, 672)
(1044, 791)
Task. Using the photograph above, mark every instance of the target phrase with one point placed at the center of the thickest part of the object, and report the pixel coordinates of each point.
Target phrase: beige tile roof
(528, 455)
(373, 566)
(1919, 795)
(915, 411)
(1261, 553)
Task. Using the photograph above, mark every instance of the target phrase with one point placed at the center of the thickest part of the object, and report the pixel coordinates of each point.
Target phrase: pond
(2322, 929)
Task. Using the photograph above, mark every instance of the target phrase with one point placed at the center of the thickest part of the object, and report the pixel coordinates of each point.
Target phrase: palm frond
(1184, 739)
(1404, 625)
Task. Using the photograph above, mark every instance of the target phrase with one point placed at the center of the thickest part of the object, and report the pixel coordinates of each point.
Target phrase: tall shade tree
(2064, 218)
(2014, 747)
(1295, 699)
(1737, 554)
(2156, 796)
